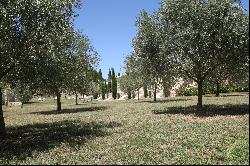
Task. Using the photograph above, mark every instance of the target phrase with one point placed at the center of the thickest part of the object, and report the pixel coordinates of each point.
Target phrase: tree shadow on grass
(21, 141)
(207, 111)
(71, 110)
(164, 100)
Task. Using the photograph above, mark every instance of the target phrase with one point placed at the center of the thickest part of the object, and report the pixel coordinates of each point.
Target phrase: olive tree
(31, 31)
(82, 59)
(156, 62)
(203, 35)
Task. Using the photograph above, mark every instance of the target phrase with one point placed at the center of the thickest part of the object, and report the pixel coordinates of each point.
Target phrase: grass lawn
(169, 131)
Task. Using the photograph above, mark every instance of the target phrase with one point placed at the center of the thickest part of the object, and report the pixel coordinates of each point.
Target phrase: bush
(242, 89)
(95, 95)
(187, 91)
(226, 88)
(207, 89)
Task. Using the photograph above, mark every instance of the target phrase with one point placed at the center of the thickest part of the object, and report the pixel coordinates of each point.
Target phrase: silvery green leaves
(36, 42)
(151, 51)
(191, 39)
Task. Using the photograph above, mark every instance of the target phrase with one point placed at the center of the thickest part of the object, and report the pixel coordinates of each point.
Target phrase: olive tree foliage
(133, 79)
(52, 75)
(22, 91)
(147, 47)
(235, 74)
(134, 70)
(204, 35)
(82, 60)
(94, 83)
(124, 84)
(156, 63)
(32, 33)
(241, 77)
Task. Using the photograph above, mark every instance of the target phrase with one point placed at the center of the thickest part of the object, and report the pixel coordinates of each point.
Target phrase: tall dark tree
(114, 83)
(101, 82)
(103, 89)
(109, 81)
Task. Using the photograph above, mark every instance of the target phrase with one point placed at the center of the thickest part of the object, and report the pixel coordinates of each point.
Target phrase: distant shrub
(242, 89)
(207, 89)
(226, 88)
(187, 91)
(95, 95)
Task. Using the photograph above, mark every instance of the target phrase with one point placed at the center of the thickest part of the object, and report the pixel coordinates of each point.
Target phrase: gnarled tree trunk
(2, 124)
(217, 93)
(76, 98)
(138, 94)
(58, 99)
(155, 92)
(199, 104)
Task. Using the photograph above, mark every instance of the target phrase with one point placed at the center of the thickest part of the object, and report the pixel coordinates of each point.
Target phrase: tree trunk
(2, 124)
(145, 91)
(76, 98)
(129, 94)
(199, 104)
(217, 93)
(138, 94)
(166, 92)
(58, 99)
(155, 92)
(7, 99)
(22, 105)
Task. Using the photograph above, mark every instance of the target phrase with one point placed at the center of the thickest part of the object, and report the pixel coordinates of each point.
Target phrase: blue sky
(110, 25)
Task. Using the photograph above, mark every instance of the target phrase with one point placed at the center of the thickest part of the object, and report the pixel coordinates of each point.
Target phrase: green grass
(169, 131)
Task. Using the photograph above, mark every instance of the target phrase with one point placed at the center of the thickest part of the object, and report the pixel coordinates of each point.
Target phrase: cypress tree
(109, 81)
(114, 84)
(103, 89)
(106, 89)
(101, 84)
(100, 74)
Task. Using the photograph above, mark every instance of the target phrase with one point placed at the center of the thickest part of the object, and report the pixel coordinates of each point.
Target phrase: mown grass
(169, 131)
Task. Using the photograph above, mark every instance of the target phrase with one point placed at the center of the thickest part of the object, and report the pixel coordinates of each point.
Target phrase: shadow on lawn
(21, 141)
(71, 110)
(207, 111)
(165, 100)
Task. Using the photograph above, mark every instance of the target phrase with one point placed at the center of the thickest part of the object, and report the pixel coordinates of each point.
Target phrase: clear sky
(110, 25)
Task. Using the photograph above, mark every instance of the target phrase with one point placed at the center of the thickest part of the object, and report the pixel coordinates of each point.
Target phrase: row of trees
(205, 41)
(109, 85)
(41, 53)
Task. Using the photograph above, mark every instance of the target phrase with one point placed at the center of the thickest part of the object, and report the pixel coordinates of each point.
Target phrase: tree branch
(189, 76)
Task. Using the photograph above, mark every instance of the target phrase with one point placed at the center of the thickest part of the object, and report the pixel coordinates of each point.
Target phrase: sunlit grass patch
(169, 131)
